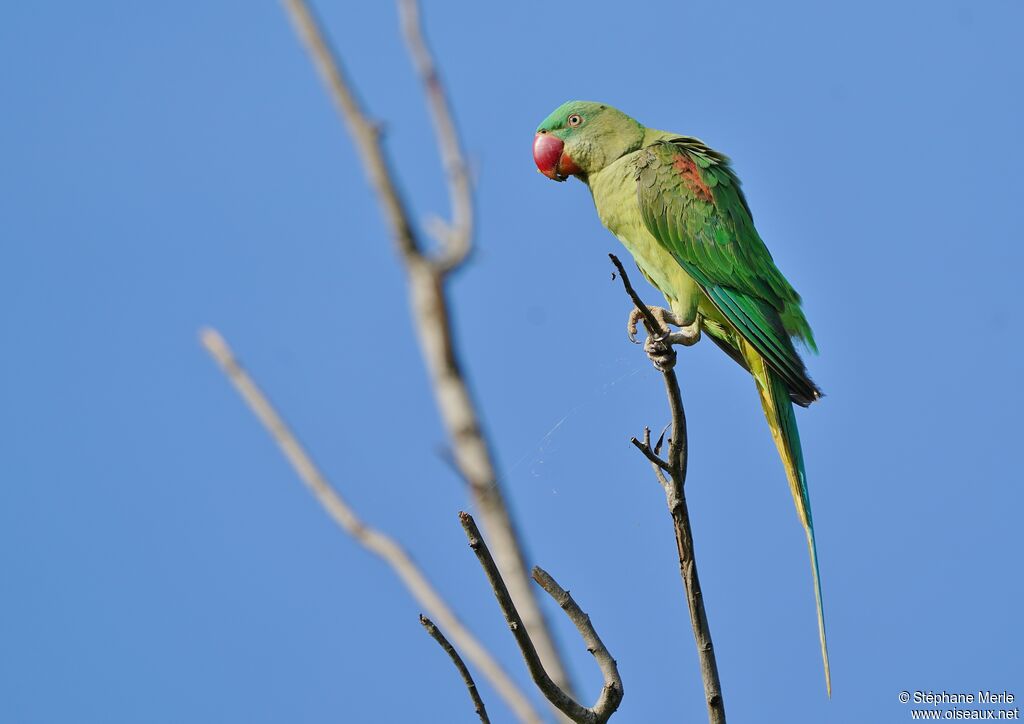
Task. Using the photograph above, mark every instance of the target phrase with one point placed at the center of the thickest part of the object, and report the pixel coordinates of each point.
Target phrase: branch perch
(675, 497)
(373, 540)
(431, 313)
(435, 633)
(611, 693)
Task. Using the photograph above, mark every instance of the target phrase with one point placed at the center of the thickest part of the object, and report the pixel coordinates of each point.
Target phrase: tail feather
(778, 410)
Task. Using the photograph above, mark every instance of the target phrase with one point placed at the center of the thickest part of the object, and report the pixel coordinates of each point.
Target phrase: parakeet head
(581, 137)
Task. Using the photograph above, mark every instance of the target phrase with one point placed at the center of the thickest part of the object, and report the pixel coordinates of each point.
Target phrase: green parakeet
(677, 206)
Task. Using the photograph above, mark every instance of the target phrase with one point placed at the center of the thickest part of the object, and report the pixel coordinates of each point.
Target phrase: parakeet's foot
(659, 348)
(666, 318)
(688, 334)
(660, 353)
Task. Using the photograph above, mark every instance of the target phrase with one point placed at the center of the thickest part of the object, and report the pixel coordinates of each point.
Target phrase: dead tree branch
(455, 238)
(373, 540)
(675, 496)
(435, 633)
(427, 277)
(611, 693)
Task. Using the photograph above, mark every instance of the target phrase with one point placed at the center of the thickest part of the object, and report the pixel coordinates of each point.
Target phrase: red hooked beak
(551, 159)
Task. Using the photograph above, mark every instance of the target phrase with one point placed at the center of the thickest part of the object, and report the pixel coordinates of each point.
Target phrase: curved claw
(634, 316)
(659, 347)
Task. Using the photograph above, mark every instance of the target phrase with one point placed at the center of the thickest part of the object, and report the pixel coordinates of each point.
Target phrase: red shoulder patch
(690, 174)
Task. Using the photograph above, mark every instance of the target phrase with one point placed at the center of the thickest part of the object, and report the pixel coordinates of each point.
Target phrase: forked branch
(427, 275)
(611, 693)
(456, 237)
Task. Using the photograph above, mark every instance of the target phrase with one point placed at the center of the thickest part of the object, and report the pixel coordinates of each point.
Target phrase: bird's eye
(574, 120)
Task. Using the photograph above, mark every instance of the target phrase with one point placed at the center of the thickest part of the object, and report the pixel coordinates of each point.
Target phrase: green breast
(614, 192)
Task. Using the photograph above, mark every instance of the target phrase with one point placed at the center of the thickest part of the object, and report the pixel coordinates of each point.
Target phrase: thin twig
(430, 304)
(649, 452)
(675, 497)
(456, 237)
(366, 133)
(373, 540)
(659, 466)
(611, 693)
(435, 633)
(650, 321)
(659, 472)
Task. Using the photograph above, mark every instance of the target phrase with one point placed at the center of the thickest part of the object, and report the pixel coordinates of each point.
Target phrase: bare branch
(435, 633)
(364, 131)
(649, 319)
(456, 238)
(648, 451)
(373, 540)
(431, 309)
(611, 694)
(675, 497)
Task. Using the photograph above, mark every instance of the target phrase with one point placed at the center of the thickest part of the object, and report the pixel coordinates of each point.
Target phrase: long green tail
(779, 411)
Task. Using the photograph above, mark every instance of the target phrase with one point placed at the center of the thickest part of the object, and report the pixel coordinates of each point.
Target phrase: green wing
(692, 203)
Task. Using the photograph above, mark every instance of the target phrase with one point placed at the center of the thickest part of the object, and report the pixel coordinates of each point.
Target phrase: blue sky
(167, 166)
